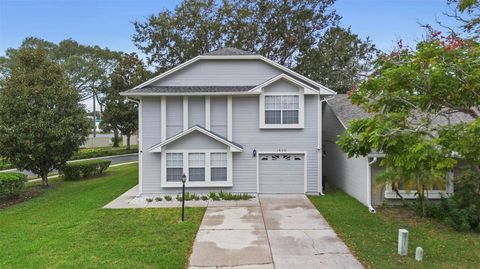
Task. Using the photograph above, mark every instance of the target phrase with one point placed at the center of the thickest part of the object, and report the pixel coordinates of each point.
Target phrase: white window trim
(193, 184)
(301, 111)
(434, 194)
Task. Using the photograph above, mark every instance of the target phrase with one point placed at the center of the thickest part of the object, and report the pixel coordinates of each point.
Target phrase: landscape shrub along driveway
(373, 237)
(66, 227)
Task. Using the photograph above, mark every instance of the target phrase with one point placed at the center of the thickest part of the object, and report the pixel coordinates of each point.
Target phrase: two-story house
(230, 120)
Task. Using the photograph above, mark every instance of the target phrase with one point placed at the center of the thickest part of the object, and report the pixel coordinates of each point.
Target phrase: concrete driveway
(281, 231)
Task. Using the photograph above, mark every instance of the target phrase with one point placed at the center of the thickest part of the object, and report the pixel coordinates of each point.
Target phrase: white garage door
(281, 173)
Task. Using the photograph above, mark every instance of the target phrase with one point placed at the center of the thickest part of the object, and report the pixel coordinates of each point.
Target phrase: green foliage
(469, 16)
(101, 152)
(204, 197)
(41, 120)
(168, 198)
(462, 210)
(188, 196)
(5, 164)
(84, 169)
(158, 199)
(11, 184)
(214, 196)
(417, 120)
(232, 196)
(149, 200)
(340, 60)
(119, 113)
(280, 30)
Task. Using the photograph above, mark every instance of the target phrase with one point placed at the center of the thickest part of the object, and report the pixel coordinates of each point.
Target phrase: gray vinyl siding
(174, 115)
(218, 115)
(196, 111)
(150, 136)
(196, 141)
(247, 133)
(281, 86)
(348, 174)
(221, 73)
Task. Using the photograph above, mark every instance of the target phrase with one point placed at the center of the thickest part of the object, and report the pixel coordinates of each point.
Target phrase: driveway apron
(281, 231)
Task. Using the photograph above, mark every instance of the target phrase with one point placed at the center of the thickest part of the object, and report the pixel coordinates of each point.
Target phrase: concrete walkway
(282, 231)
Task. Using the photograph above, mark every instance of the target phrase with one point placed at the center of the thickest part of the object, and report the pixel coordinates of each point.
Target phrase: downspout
(369, 185)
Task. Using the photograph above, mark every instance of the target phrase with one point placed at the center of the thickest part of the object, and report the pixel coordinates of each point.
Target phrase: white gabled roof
(308, 89)
(323, 90)
(234, 147)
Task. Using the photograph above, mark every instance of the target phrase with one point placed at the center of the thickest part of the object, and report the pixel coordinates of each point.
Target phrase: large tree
(425, 106)
(119, 113)
(340, 60)
(41, 120)
(87, 68)
(280, 30)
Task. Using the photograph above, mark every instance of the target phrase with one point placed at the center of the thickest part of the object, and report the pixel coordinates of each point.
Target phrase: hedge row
(84, 169)
(101, 152)
(11, 184)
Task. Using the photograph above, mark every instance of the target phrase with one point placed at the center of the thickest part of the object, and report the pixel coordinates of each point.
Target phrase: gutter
(369, 185)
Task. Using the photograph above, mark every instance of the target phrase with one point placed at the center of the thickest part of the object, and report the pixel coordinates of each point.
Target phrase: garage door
(281, 173)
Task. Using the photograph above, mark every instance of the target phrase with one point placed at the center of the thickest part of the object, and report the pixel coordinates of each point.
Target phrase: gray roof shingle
(346, 111)
(230, 51)
(190, 89)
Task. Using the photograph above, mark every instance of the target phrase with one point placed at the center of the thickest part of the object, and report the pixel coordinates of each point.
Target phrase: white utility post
(419, 254)
(402, 242)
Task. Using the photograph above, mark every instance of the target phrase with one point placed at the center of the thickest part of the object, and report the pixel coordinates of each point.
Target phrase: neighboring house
(356, 176)
(230, 120)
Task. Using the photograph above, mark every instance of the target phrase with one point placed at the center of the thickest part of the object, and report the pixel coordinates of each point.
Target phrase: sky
(108, 23)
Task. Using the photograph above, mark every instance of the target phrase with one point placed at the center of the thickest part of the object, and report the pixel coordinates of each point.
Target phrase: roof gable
(234, 147)
(234, 54)
(308, 89)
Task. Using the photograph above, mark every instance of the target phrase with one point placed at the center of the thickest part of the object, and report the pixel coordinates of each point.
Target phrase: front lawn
(373, 237)
(66, 227)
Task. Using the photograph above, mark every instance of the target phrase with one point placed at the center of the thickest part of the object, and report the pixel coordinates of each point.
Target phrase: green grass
(373, 237)
(66, 227)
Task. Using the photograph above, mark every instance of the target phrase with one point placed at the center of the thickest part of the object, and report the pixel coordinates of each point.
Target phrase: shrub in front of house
(84, 169)
(11, 184)
(462, 210)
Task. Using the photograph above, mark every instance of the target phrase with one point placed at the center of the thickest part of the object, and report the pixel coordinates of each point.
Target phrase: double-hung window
(174, 167)
(282, 109)
(196, 166)
(218, 166)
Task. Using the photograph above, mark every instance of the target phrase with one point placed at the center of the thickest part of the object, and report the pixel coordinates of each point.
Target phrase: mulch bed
(26, 195)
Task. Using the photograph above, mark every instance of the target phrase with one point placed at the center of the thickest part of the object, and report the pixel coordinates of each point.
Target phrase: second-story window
(281, 109)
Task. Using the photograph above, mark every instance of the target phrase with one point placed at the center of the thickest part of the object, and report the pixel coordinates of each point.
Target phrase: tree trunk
(115, 138)
(128, 141)
(44, 175)
(94, 117)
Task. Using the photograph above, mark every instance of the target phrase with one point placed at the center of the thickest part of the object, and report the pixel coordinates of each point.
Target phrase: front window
(196, 167)
(282, 109)
(218, 166)
(174, 167)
